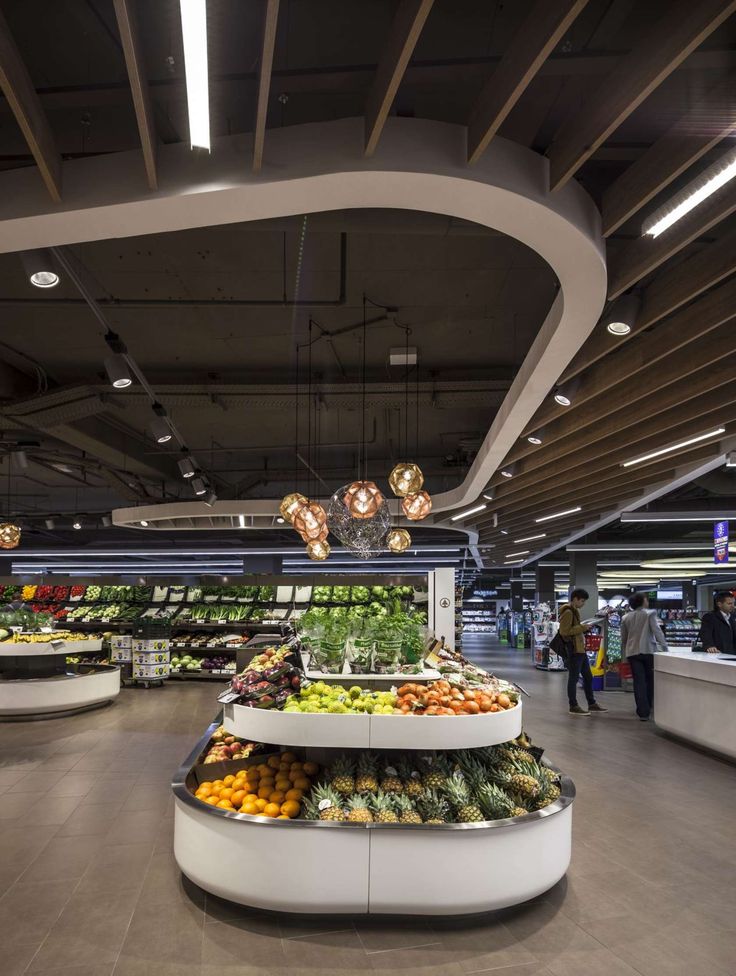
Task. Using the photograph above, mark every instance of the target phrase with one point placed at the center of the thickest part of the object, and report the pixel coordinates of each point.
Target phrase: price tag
(58, 643)
(222, 621)
(392, 771)
(228, 696)
(324, 804)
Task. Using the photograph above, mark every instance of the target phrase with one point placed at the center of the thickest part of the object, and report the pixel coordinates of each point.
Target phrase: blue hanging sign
(720, 542)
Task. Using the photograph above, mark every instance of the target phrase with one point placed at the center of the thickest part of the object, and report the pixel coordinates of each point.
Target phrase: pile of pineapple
(468, 786)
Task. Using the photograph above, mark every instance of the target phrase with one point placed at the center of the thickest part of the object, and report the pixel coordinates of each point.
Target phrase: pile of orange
(274, 788)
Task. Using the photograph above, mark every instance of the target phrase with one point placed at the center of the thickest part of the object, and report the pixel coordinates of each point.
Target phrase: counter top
(698, 665)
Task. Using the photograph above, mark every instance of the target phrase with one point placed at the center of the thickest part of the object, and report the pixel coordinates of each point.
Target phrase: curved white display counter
(355, 867)
(373, 731)
(39, 697)
(696, 698)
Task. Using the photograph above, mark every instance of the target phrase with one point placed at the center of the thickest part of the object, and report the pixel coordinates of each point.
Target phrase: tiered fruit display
(274, 788)
(442, 698)
(224, 746)
(269, 679)
(320, 697)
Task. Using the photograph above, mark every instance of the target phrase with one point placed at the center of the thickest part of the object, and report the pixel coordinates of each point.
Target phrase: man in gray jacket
(641, 636)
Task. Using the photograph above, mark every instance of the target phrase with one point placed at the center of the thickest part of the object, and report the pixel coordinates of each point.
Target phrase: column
(689, 596)
(517, 591)
(544, 588)
(584, 575)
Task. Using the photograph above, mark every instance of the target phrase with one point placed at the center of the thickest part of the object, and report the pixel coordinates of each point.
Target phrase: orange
(237, 798)
(294, 794)
(282, 816)
(264, 792)
(203, 791)
(277, 797)
(261, 803)
(283, 784)
(274, 762)
(228, 780)
(227, 793)
(250, 798)
(302, 783)
(207, 784)
(219, 784)
(250, 808)
(212, 800)
(215, 791)
(290, 808)
(225, 805)
(271, 810)
(311, 768)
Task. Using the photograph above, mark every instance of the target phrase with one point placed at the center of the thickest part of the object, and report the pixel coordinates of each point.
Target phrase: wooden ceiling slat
(402, 39)
(18, 89)
(635, 76)
(270, 21)
(689, 325)
(540, 33)
(126, 16)
(710, 119)
(646, 254)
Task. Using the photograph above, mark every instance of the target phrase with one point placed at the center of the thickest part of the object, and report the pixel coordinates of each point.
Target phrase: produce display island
(696, 698)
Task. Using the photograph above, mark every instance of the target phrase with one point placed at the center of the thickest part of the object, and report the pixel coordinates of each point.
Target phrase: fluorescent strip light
(530, 538)
(194, 33)
(731, 460)
(241, 521)
(674, 447)
(568, 511)
(512, 562)
(465, 514)
(524, 552)
(691, 196)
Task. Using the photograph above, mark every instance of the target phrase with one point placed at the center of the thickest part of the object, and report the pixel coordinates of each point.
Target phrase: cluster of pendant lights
(363, 500)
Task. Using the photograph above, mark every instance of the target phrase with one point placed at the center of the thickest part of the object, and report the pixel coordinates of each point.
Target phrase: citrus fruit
(203, 791)
(282, 816)
(228, 780)
(227, 793)
(250, 798)
(293, 794)
(264, 792)
(218, 784)
(276, 797)
(271, 810)
(213, 800)
(261, 803)
(290, 808)
(225, 805)
(250, 808)
(237, 798)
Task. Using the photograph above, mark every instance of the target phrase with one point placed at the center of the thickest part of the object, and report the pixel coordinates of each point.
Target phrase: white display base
(696, 699)
(64, 693)
(373, 731)
(60, 646)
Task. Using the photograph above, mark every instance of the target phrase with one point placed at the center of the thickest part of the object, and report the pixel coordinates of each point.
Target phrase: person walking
(641, 636)
(718, 627)
(572, 631)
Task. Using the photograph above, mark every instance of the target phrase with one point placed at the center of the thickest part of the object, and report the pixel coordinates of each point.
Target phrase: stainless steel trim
(181, 792)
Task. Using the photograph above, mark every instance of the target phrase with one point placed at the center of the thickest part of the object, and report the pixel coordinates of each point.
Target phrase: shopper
(718, 629)
(641, 635)
(573, 632)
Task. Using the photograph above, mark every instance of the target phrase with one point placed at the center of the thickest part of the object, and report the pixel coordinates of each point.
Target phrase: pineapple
(366, 779)
(434, 808)
(390, 781)
(525, 781)
(342, 779)
(435, 773)
(460, 797)
(496, 804)
(383, 808)
(334, 812)
(406, 810)
(473, 770)
(358, 810)
(412, 784)
(549, 788)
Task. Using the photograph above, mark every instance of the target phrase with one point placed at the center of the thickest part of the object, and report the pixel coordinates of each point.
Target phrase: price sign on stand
(720, 542)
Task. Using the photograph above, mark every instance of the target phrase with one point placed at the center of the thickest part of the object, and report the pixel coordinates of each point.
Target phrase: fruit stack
(224, 746)
(442, 698)
(269, 679)
(274, 788)
(320, 697)
(468, 786)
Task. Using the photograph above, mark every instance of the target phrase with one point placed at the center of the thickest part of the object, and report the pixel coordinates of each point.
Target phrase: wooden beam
(709, 120)
(125, 14)
(402, 39)
(18, 89)
(634, 78)
(689, 325)
(541, 32)
(270, 21)
(642, 256)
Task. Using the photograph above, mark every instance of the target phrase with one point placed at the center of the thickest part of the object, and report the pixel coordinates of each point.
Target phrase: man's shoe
(577, 710)
(595, 707)
(643, 718)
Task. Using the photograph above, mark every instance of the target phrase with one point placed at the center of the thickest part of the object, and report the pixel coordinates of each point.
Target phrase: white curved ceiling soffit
(421, 165)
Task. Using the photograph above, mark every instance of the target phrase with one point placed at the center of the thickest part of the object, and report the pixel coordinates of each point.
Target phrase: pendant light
(9, 531)
(398, 540)
(417, 506)
(318, 551)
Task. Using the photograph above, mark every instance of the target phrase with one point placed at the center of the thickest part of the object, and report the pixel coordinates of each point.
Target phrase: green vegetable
(360, 594)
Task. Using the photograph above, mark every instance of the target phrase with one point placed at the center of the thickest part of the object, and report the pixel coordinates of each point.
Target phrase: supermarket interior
(359, 363)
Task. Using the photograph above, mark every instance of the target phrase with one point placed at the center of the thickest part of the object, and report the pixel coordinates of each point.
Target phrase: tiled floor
(90, 887)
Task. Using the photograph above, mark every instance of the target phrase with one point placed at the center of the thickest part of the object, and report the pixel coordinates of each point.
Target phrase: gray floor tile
(28, 910)
(63, 859)
(15, 959)
(90, 819)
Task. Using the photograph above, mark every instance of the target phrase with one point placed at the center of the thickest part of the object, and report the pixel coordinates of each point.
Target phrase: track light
(144, 524)
(187, 467)
(564, 401)
(77, 524)
(506, 474)
(488, 495)
(21, 459)
(210, 499)
(116, 367)
(40, 267)
(533, 439)
(198, 486)
(159, 426)
(194, 35)
(621, 317)
(49, 523)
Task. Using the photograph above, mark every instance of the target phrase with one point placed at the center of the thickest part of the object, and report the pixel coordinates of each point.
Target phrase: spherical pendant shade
(319, 538)
(363, 499)
(318, 550)
(406, 479)
(310, 520)
(417, 506)
(9, 535)
(398, 540)
(291, 505)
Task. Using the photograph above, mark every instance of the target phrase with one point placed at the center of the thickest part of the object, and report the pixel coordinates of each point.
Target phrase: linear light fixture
(531, 538)
(194, 34)
(467, 512)
(556, 515)
(512, 562)
(241, 521)
(524, 552)
(674, 447)
(677, 516)
(692, 195)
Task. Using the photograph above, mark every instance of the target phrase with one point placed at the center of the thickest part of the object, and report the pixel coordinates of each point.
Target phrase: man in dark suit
(718, 629)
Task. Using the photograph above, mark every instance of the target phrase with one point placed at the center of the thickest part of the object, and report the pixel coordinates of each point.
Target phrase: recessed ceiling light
(280, 520)
(144, 524)
(194, 35)
(77, 524)
(506, 474)
(674, 447)
(564, 401)
(467, 512)
(556, 515)
(533, 439)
